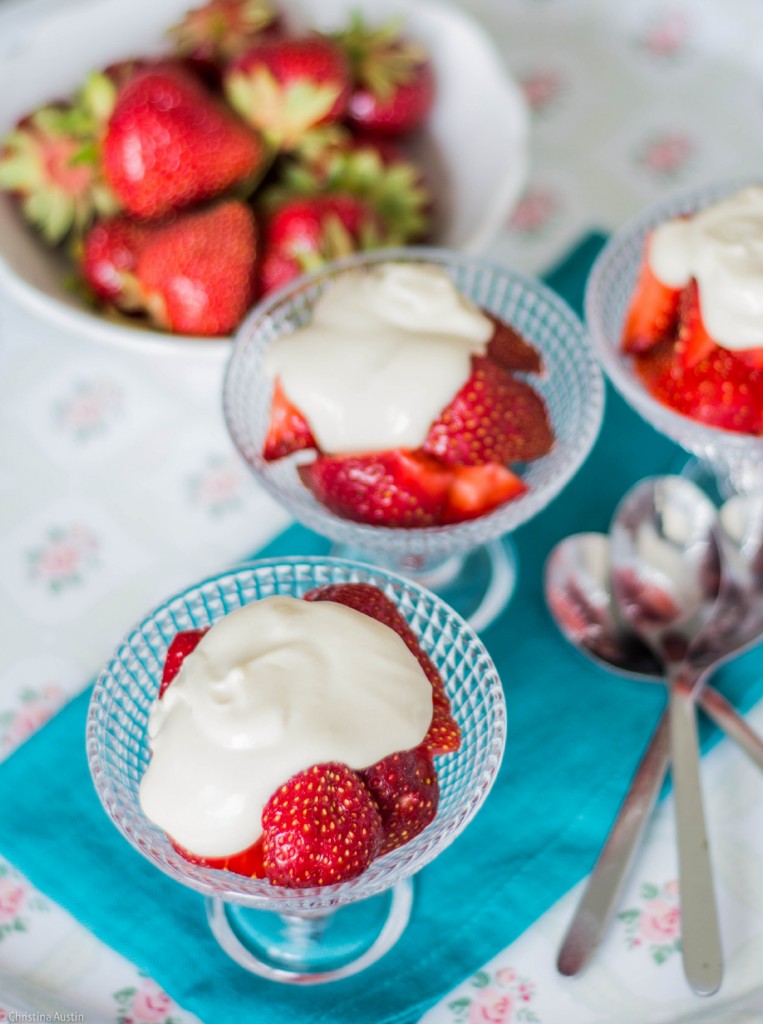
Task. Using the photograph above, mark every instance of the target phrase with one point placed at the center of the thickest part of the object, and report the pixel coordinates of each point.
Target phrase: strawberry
(751, 357)
(168, 143)
(49, 162)
(288, 430)
(284, 87)
(390, 488)
(693, 343)
(477, 490)
(443, 735)
(365, 598)
(221, 30)
(248, 862)
(509, 349)
(180, 647)
(719, 391)
(109, 258)
(653, 312)
(197, 272)
(302, 234)
(393, 187)
(405, 789)
(319, 828)
(493, 418)
(393, 82)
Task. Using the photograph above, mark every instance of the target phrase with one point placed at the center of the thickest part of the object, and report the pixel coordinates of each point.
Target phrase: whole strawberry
(302, 234)
(321, 827)
(393, 82)
(406, 791)
(193, 275)
(168, 144)
(49, 163)
(220, 30)
(284, 87)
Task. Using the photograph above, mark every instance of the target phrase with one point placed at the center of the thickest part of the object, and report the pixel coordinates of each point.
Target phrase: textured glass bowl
(117, 744)
(571, 386)
(736, 460)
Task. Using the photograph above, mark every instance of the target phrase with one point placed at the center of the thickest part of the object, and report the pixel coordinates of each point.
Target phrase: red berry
(493, 418)
(319, 828)
(169, 143)
(509, 349)
(653, 311)
(404, 787)
(248, 862)
(288, 430)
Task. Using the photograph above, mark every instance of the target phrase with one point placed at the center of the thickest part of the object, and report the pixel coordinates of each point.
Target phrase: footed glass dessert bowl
(294, 935)
(723, 461)
(470, 563)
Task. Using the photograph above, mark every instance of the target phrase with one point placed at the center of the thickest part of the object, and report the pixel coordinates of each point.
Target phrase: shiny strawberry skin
(180, 647)
(693, 343)
(320, 828)
(477, 490)
(169, 143)
(198, 271)
(493, 418)
(401, 112)
(391, 488)
(405, 789)
(110, 256)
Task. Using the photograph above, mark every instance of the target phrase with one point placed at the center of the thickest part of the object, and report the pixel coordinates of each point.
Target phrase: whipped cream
(385, 352)
(273, 688)
(722, 247)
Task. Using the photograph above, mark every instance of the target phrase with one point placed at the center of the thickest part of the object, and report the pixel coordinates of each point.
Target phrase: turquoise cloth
(575, 736)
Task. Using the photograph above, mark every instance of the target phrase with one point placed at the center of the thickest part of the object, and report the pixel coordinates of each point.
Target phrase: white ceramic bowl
(48, 46)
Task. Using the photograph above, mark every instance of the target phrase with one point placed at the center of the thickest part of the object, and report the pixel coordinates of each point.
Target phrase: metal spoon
(666, 577)
(578, 594)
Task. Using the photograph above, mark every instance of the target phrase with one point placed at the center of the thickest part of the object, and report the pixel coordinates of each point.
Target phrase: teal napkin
(575, 735)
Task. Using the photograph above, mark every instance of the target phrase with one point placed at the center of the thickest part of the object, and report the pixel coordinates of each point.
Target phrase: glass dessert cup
(723, 462)
(312, 935)
(468, 563)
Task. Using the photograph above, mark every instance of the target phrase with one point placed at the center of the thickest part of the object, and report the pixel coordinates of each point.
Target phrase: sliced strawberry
(283, 87)
(719, 391)
(405, 789)
(477, 490)
(390, 488)
(288, 430)
(509, 349)
(493, 418)
(365, 598)
(320, 827)
(169, 143)
(180, 647)
(248, 862)
(653, 312)
(693, 343)
(443, 735)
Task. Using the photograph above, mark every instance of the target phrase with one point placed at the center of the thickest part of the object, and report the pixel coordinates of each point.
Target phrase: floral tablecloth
(118, 485)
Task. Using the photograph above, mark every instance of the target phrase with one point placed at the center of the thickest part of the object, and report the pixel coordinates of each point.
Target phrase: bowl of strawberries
(337, 835)
(416, 406)
(674, 304)
(162, 169)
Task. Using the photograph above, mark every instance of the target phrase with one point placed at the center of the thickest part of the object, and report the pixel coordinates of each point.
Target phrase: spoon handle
(605, 882)
(700, 938)
(728, 719)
